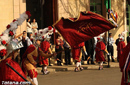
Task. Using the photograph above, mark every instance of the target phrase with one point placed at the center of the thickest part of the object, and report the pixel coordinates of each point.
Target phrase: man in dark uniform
(90, 49)
(128, 38)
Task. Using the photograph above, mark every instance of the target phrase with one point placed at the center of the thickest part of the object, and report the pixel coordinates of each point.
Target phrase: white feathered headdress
(44, 33)
(6, 43)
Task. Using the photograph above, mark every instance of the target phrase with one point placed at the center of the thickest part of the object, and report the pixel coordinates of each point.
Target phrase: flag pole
(108, 37)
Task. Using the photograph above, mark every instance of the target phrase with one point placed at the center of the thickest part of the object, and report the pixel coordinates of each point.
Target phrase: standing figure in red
(124, 64)
(100, 48)
(120, 47)
(77, 55)
(45, 47)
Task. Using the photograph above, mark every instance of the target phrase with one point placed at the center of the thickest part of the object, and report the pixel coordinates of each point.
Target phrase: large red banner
(83, 28)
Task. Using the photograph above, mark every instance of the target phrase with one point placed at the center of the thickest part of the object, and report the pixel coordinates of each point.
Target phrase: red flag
(83, 28)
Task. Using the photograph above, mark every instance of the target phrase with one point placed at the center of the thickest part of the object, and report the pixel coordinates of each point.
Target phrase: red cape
(45, 45)
(100, 47)
(7, 74)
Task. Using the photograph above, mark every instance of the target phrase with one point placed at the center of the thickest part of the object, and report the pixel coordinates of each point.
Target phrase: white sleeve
(28, 24)
(113, 41)
(29, 42)
(36, 25)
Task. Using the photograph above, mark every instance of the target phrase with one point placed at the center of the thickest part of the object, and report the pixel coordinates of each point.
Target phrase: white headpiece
(123, 33)
(6, 43)
(121, 38)
(44, 33)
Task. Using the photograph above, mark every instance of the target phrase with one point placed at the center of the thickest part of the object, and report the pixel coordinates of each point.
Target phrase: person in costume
(120, 47)
(7, 74)
(77, 55)
(45, 47)
(29, 61)
(9, 51)
(31, 54)
(124, 63)
(100, 48)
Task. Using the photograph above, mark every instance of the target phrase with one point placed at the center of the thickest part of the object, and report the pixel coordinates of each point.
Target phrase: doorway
(44, 11)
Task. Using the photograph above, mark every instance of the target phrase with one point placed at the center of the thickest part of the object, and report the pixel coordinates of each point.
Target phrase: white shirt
(95, 38)
(34, 25)
(29, 27)
(111, 40)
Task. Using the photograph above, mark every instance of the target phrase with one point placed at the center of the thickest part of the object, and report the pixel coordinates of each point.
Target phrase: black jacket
(128, 39)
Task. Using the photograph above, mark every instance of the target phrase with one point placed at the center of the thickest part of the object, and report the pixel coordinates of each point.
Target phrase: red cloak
(76, 51)
(7, 74)
(100, 47)
(120, 48)
(124, 64)
(45, 45)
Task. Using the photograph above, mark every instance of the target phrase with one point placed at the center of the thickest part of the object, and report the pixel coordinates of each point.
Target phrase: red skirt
(43, 62)
(76, 54)
(119, 53)
(7, 74)
(99, 56)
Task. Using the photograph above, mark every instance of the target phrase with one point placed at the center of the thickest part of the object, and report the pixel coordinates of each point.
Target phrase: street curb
(72, 67)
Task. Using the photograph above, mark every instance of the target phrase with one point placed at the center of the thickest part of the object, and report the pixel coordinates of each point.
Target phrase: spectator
(31, 38)
(24, 42)
(110, 46)
(117, 40)
(59, 47)
(67, 53)
(128, 38)
(29, 28)
(34, 26)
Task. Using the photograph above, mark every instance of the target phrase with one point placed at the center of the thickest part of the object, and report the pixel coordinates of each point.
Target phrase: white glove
(86, 53)
(108, 54)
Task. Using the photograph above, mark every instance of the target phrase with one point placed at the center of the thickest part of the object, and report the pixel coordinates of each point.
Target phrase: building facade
(47, 12)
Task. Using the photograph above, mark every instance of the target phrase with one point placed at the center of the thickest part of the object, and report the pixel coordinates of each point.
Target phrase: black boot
(113, 60)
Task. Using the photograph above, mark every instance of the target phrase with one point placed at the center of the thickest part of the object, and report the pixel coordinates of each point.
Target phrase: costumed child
(100, 48)
(77, 55)
(45, 47)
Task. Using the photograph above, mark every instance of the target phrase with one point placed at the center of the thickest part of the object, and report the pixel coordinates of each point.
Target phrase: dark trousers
(59, 55)
(67, 55)
(90, 53)
(110, 50)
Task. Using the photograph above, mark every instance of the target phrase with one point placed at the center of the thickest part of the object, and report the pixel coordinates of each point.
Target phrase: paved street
(108, 76)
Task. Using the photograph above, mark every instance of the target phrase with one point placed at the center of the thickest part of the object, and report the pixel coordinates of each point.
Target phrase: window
(96, 6)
